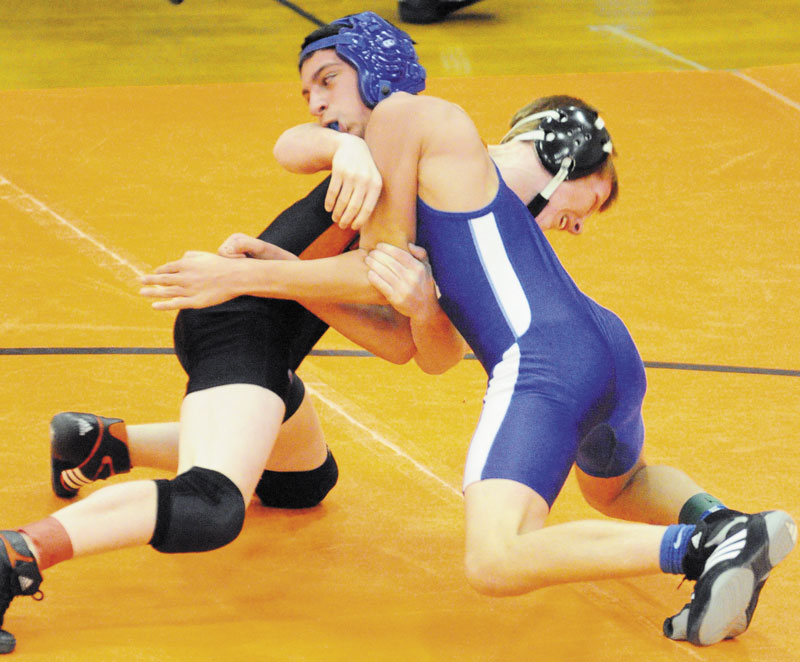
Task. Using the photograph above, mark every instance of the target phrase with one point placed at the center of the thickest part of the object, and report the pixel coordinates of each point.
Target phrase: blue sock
(673, 547)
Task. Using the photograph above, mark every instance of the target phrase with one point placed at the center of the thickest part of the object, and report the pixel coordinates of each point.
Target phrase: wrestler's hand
(404, 278)
(197, 280)
(242, 245)
(355, 183)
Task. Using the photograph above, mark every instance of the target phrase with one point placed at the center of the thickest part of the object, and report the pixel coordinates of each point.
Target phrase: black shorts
(251, 340)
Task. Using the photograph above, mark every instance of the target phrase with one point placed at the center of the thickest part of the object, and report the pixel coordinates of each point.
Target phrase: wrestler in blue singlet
(566, 382)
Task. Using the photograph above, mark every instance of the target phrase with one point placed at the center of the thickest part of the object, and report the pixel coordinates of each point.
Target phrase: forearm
(307, 148)
(439, 345)
(338, 279)
(380, 330)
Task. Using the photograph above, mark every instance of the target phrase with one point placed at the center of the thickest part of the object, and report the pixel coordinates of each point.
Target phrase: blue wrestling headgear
(571, 142)
(382, 55)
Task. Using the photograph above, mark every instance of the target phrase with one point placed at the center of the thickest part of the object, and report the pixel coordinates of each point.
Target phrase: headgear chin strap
(571, 142)
(382, 55)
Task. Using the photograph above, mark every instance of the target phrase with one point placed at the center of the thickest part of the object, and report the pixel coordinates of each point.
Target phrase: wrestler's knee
(198, 510)
(298, 489)
(492, 571)
(484, 573)
(502, 516)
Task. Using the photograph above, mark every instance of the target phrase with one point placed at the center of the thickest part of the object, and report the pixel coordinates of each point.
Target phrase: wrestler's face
(330, 86)
(574, 201)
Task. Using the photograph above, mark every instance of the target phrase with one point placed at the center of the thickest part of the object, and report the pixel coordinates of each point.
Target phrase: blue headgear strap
(382, 55)
(571, 143)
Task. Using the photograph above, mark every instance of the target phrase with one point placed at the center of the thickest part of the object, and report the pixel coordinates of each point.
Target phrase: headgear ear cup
(571, 142)
(382, 55)
(575, 133)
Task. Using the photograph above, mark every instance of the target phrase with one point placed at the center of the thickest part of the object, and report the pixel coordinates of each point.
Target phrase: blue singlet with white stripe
(566, 381)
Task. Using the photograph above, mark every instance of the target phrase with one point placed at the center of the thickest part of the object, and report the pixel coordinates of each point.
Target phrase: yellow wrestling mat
(102, 181)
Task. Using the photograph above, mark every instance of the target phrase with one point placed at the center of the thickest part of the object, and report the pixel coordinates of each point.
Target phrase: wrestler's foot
(85, 448)
(429, 11)
(745, 548)
(19, 575)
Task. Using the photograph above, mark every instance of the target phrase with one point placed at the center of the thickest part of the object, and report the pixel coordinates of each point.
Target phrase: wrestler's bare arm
(355, 181)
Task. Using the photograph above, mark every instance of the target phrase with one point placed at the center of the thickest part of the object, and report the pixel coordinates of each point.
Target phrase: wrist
(341, 140)
(428, 316)
(240, 283)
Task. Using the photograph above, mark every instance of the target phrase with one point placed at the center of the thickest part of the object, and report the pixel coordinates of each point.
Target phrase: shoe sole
(734, 589)
(742, 622)
(66, 477)
(432, 13)
(7, 642)
(58, 466)
(58, 487)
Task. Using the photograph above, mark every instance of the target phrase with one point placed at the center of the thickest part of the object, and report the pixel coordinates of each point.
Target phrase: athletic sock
(699, 507)
(51, 541)
(673, 547)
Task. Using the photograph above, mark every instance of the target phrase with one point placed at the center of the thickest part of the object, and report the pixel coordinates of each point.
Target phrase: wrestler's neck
(520, 167)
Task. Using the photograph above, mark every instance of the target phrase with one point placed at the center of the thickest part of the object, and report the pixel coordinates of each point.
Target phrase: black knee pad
(298, 489)
(198, 511)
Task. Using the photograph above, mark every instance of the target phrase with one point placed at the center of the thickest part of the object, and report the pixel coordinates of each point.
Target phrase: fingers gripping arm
(405, 279)
(202, 279)
(355, 180)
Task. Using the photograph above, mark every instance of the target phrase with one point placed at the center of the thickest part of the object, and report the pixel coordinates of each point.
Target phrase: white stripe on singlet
(501, 276)
(511, 299)
(495, 405)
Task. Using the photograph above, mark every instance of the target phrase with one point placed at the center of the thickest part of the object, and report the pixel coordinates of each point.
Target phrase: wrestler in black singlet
(253, 340)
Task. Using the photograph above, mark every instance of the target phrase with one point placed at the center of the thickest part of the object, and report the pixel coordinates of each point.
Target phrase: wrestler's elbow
(440, 357)
(435, 366)
(399, 354)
